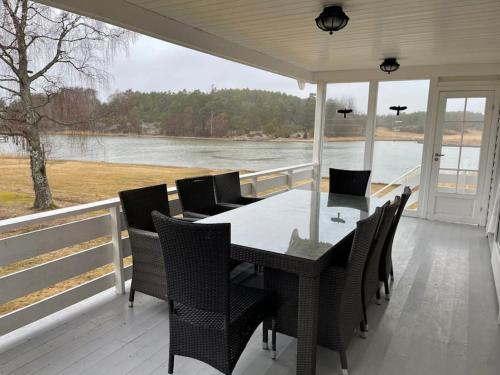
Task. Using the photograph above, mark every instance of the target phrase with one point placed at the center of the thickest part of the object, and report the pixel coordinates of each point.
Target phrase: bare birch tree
(42, 51)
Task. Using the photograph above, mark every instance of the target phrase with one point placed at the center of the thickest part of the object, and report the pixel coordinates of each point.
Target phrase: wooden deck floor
(440, 320)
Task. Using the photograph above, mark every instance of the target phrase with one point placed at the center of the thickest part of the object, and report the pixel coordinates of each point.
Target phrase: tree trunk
(43, 195)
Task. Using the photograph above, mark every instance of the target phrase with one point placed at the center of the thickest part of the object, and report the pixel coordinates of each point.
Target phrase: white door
(459, 181)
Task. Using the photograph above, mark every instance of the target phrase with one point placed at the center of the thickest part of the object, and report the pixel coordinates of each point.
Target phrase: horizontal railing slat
(41, 241)
(38, 277)
(41, 309)
(272, 183)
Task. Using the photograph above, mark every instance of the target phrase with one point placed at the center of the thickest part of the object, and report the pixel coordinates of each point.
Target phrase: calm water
(391, 159)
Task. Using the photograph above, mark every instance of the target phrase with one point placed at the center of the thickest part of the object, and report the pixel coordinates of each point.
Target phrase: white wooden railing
(24, 246)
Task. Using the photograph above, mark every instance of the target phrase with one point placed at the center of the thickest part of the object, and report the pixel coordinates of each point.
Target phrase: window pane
(345, 137)
(399, 139)
(467, 182)
(447, 181)
(454, 109)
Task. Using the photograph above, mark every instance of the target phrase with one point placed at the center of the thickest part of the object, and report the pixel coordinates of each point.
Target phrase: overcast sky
(155, 65)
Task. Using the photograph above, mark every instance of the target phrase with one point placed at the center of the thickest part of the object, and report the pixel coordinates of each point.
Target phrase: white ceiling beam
(128, 16)
(409, 72)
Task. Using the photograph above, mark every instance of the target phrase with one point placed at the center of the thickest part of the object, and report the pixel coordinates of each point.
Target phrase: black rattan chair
(228, 190)
(211, 319)
(148, 271)
(344, 181)
(197, 197)
(340, 309)
(371, 282)
(386, 268)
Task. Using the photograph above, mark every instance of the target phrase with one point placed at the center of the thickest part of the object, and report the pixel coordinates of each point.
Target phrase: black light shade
(398, 108)
(389, 65)
(332, 19)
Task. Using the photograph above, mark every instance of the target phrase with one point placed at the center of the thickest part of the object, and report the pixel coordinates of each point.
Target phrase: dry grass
(72, 183)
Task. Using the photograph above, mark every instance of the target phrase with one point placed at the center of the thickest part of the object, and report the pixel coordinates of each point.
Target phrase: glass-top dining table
(297, 231)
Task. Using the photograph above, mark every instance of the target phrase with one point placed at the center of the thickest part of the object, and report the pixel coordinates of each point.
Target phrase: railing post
(289, 179)
(254, 186)
(116, 242)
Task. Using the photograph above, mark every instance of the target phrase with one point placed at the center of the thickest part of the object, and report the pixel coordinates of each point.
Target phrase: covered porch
(443, 315)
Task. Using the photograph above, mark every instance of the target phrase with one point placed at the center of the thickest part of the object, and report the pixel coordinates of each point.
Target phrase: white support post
(116, 241)
(289, 179)
(319, 132)
(371, 123)
(254, 186)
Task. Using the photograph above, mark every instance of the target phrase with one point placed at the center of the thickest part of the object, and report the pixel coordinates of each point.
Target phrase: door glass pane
(447, 181)
(473, 134)
(475, 109)
(399, 139)
(455, 109)
(467, 182)
(452, 133)
(450, 157)
(470, 158)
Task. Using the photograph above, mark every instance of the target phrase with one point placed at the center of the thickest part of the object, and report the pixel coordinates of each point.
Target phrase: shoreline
(410, 137)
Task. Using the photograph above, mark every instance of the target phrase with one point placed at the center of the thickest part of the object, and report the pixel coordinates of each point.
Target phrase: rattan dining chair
(386, 268)
(228, 190)
(371, 282)
(210, 318)
(197, 197)
(148, 271)
(340, 308)
(343, 181)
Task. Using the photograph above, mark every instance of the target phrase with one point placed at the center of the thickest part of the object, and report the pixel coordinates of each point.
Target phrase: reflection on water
(395, 160)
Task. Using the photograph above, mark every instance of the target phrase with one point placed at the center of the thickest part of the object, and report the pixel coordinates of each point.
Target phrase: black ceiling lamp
(332, 19)
(389, 65)
(344, 111)
(398, 109)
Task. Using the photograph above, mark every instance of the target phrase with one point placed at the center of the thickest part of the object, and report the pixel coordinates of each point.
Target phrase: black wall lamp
(331, 19)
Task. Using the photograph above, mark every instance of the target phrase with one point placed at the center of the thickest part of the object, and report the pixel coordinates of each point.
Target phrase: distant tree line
(218, 113)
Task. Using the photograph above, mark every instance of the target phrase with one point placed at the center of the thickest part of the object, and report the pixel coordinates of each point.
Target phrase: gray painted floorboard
(441, 319)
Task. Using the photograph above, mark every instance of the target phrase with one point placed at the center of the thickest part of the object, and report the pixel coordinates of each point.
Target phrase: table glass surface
(300, 223)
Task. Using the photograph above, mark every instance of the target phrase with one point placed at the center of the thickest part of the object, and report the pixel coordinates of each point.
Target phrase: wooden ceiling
(281, 35)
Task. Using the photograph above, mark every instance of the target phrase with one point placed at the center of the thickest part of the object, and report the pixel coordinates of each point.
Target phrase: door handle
(437, 155)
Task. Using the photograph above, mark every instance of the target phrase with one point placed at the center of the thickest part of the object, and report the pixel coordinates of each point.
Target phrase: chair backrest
(387, 252)
(197, 262)
(371, 272)
(196, 193)
(138, 204)
(344, 181)
(227, 187)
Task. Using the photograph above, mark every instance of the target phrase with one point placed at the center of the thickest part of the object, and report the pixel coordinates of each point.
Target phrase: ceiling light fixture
(389, 65)
(331, 19)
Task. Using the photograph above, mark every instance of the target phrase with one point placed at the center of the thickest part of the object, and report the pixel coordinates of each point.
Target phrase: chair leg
(343, 362)
(131, 298)
(363, 329)
(265, 334)
(387, 290)
(170, 363)
(377, 297)
(273, 338)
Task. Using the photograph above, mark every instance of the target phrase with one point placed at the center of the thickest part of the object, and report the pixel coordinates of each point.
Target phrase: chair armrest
(194, 215)
(145, 244)
(229, 205)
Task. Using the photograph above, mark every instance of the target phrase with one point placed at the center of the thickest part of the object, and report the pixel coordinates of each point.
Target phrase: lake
(391, 159)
